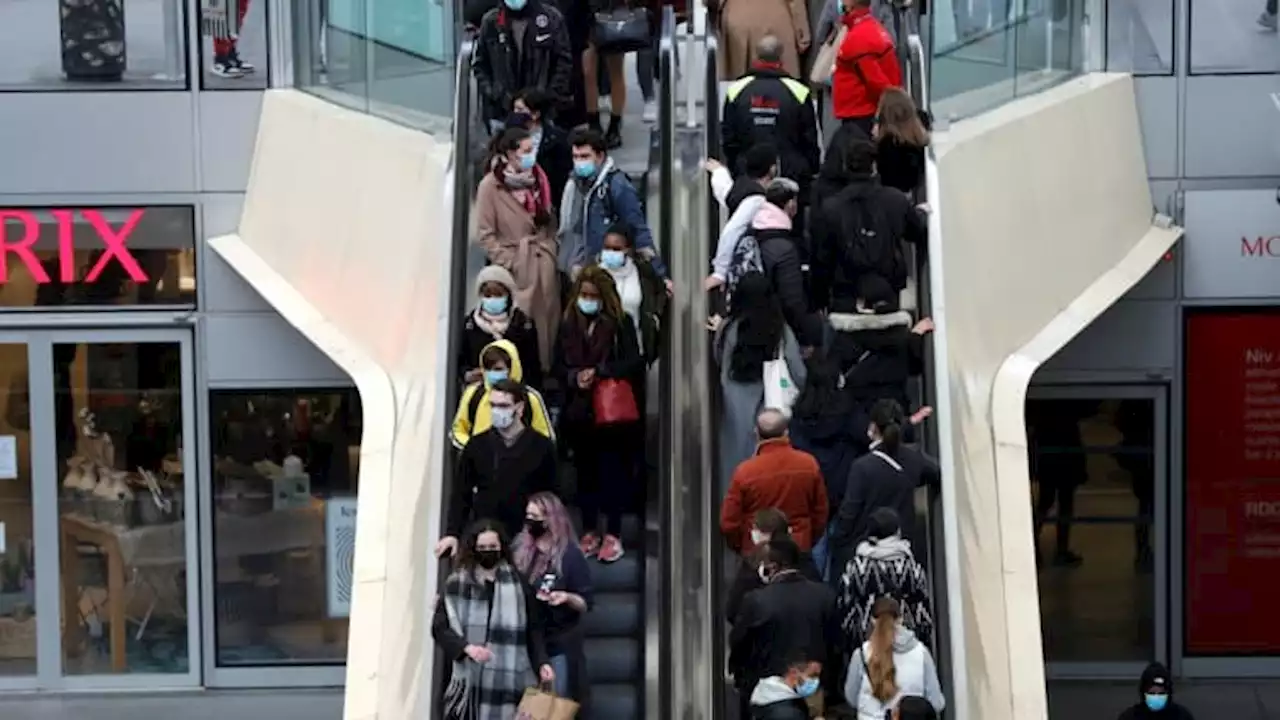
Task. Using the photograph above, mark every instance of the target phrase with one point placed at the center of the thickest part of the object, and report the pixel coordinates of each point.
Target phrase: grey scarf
(491, 691)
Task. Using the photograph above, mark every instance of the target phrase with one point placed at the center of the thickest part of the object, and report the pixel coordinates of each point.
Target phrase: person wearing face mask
(500, 469)
(643, 296)
(778, 476)
(891, 664)
(886, 477)
(522, 43)
(783, 696)
(498, 361)
(599, 195)
(1155, 701)
(789, 617)
(546, 553)
(514, 226)
(769, 523)
(496, 317)
(489, 625)
(598, 345)
(532, 110)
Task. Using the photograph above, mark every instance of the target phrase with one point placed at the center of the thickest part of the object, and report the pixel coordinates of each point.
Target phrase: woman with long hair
(515, 224)
(597, 344)
(547, 554)
(490, 626)
(891, 664)
(901, 134)
(754, 334)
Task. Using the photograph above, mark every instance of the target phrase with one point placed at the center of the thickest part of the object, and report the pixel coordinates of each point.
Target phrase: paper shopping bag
(542, 705)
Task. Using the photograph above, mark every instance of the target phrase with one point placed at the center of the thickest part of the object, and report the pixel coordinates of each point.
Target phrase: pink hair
(531, 563)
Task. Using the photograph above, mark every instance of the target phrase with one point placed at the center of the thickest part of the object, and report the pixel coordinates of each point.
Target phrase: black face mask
(488, 559)
(537, 528)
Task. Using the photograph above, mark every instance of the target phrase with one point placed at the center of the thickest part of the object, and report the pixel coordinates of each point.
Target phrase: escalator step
(614, 660)
(615, 614)
(625, 575)
(616, 701)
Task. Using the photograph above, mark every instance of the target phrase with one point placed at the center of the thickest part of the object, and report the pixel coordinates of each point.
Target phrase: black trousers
(608, 461)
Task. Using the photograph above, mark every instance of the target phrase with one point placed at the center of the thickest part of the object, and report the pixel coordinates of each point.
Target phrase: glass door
(1100, 492)
(114, 545)
(22, 614)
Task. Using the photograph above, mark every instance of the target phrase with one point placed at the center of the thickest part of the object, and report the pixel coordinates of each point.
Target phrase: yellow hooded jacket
(464, 425)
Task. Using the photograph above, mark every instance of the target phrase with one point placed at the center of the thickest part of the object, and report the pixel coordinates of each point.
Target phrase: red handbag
(614, 402)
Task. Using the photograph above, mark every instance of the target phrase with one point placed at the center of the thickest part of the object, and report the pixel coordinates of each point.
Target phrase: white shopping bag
(780, 391)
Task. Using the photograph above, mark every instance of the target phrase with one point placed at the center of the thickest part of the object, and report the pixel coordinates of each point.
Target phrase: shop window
(1231, 38)
(1140, 37)
(234, 50)
(285, 465)
(56, 257)
(92, 45)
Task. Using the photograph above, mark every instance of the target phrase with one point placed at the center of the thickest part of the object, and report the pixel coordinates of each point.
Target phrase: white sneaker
(651, 111)
(1267, 21)
(223, 68)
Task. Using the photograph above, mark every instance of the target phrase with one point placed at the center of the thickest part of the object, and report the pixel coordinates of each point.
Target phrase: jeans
(821, 554)
(560, 663)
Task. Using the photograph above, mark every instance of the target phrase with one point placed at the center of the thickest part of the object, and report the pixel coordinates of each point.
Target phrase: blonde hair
(898, 118)
(880, 670)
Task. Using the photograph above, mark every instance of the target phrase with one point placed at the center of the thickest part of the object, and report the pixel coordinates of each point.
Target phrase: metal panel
(119, 142)
(1232, 126)
(264, 351)
(1131, 335)
(224, 290)
(1232, 246)
(228, 129)
(1158, 111)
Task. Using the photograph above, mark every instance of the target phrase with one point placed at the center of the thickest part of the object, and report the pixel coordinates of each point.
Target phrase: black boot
(613, 137)
(593, 122)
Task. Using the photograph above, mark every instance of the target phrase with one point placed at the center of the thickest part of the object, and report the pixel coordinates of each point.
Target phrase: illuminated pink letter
(66, 245)
(21, 248)
(114, 241)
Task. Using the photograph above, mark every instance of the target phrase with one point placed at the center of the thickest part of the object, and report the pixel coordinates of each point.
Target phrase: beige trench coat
(744, 22)
(506, 232)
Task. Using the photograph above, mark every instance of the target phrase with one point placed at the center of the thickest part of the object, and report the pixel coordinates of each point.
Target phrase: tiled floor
(210, 705)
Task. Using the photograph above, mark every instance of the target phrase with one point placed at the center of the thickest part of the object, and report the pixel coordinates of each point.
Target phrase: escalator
(624, 643)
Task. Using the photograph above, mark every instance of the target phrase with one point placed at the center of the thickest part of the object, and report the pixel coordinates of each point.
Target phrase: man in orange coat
(778, 476)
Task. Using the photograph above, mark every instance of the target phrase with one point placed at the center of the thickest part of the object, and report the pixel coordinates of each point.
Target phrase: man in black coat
(767, 105)
(499, 469)
(522, 43)
(790, 617)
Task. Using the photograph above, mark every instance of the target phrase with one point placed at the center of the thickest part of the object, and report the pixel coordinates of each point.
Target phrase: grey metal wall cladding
(263, 348)
(1233, 126)
(106, 142)
(228, 129)
(1158, 112)
(224, 290)
(1132, 335)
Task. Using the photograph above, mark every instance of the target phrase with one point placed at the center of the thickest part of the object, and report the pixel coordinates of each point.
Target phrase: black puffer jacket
(878, 354)
(743, 188)
(781, 260)
(835, 280)
(520, 50)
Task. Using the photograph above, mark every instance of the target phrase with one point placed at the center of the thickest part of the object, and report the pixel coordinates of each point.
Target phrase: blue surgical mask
(584, 168)
(527, 161)
(516, 5)
(588, 307)
(493, 377)
(808, 687)
(1155, 703)
(613, 259)
(502, 417)
(494, 305)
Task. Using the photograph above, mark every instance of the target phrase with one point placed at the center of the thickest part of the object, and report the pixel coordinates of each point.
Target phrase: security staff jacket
(767, 105)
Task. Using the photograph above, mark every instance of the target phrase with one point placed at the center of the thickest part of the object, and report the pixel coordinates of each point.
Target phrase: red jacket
(779, 476)
(866, 66)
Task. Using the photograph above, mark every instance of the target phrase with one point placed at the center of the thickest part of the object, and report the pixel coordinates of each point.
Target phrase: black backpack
(864, 247)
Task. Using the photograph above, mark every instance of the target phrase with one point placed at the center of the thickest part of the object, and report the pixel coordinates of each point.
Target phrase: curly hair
(610, 303)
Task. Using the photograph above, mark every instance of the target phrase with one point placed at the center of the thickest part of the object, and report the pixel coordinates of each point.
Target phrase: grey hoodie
(904, 641)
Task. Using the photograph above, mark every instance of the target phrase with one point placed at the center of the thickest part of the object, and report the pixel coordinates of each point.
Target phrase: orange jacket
(779, 476)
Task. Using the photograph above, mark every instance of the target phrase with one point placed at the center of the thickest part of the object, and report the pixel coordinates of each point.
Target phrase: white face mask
(502, 417)
(757, 537)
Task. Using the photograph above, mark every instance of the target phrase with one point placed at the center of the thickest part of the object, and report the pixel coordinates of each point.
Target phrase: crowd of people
(829, 610)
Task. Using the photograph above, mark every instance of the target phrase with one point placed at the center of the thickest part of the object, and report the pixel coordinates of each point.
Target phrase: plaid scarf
(492, 616)
(220, 18)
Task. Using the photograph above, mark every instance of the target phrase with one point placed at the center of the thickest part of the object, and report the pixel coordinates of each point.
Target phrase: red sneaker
(590, 544)
(610, 550)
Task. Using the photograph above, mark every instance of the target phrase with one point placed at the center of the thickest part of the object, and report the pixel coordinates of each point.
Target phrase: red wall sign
(1233, 483)
(18, 245)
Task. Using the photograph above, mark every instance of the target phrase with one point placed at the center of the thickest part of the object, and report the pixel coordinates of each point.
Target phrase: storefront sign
(1233, 482)
(19, 245)
(340, 554)
(1232, 245)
